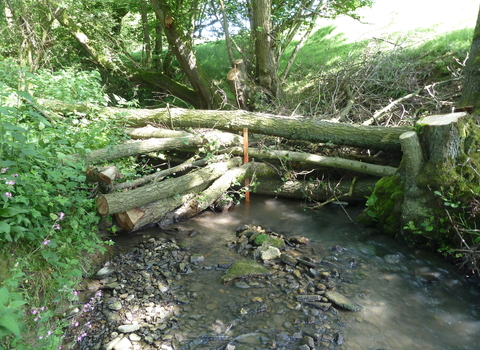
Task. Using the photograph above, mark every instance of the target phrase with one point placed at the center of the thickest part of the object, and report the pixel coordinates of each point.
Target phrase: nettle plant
(47, 213)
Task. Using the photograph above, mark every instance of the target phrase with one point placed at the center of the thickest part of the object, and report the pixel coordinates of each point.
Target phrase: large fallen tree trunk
(155, 144)
(295, 128)
(114, 203)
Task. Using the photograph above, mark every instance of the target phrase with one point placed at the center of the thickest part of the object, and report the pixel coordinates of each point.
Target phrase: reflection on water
(411, 299)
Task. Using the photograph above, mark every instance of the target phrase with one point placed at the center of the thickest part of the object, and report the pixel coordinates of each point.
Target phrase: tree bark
(151, 132)
(443, 136)
(185, 55)
(159, 175)
(471, 85)
(136, 218)
(316, 160)
(316, 191)
(238, 82)
(114, 203)
(295, 128)
(266, 67)
(142, 147)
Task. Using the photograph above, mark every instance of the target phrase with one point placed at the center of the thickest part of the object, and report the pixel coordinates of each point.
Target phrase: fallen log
(143, 147)
(106, 174)
(316, 160)
(136, 218)
(114, 203)
(316, 191)
(159, 175)
(295, 128)
(149, 131)
(201, 202)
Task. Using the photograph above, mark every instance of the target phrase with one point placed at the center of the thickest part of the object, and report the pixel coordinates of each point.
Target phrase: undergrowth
(48, 215)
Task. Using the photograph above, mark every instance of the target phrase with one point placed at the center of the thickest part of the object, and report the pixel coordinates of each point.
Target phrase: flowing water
(411, 299)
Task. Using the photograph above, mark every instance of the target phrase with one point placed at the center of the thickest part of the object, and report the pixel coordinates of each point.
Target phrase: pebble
(145, 304)
(128, 328)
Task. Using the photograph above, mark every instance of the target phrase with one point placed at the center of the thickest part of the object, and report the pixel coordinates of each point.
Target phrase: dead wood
(316, 160)
(114, 203)
(158, 176)
(149, 131)
(136, 218)
(316, 190)
(143, 147)
(295, 128)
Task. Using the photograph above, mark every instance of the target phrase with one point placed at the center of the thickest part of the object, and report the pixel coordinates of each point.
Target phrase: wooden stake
(245, 161)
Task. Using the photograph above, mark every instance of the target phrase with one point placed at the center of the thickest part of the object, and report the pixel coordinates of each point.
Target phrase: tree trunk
(136, 218)
(317, 191)
(471, 85)
(142, 147)
(266, 65)
(294, 128)
(316, 160)
(185, 56)
(114, 203)
(147, 49)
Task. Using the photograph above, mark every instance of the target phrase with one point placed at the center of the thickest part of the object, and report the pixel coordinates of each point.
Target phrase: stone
(243, 269)
(116, 306)
(128, 328)
(276, 242)
(197, 258)
(340, 300)
(270, 253)
(104, 272)
(308, 341)
(134, 337)
(289, 260)
(299, 240)
(123, 344)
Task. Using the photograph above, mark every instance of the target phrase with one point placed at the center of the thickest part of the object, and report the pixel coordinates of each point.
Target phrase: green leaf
(76, 273)
(3, 295)
(9, 322)
(16, 304)
(4, 227)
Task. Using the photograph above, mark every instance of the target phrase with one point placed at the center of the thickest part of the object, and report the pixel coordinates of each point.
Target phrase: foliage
(47, 215)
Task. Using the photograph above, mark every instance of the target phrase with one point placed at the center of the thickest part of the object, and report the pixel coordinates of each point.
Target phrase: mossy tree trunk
(440, 161)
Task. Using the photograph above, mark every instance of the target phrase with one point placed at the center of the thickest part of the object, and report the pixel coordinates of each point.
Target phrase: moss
(275, 242)
(244, 269)
(384, 205)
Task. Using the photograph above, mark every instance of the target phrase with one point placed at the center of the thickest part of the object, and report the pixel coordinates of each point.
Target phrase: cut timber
(294, 128)
(317, 191)
(156, 144)
(415, 197)
(151, 132)
(114, 203)
(210, 195)
(106, 174)
(158, 176)
(136, 218)
(443, 136)
(313, 159)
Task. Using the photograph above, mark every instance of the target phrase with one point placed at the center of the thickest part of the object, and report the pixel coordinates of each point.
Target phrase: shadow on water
(411, 299)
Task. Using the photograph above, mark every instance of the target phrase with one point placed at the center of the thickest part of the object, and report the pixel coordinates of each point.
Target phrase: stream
(410, 299)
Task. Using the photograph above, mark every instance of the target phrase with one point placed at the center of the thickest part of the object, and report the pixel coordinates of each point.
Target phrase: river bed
(410, 299)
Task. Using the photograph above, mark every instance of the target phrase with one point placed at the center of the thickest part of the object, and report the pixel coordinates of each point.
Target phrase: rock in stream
(160, 296)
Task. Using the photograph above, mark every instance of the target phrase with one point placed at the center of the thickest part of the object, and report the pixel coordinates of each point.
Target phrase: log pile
(193, 185)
